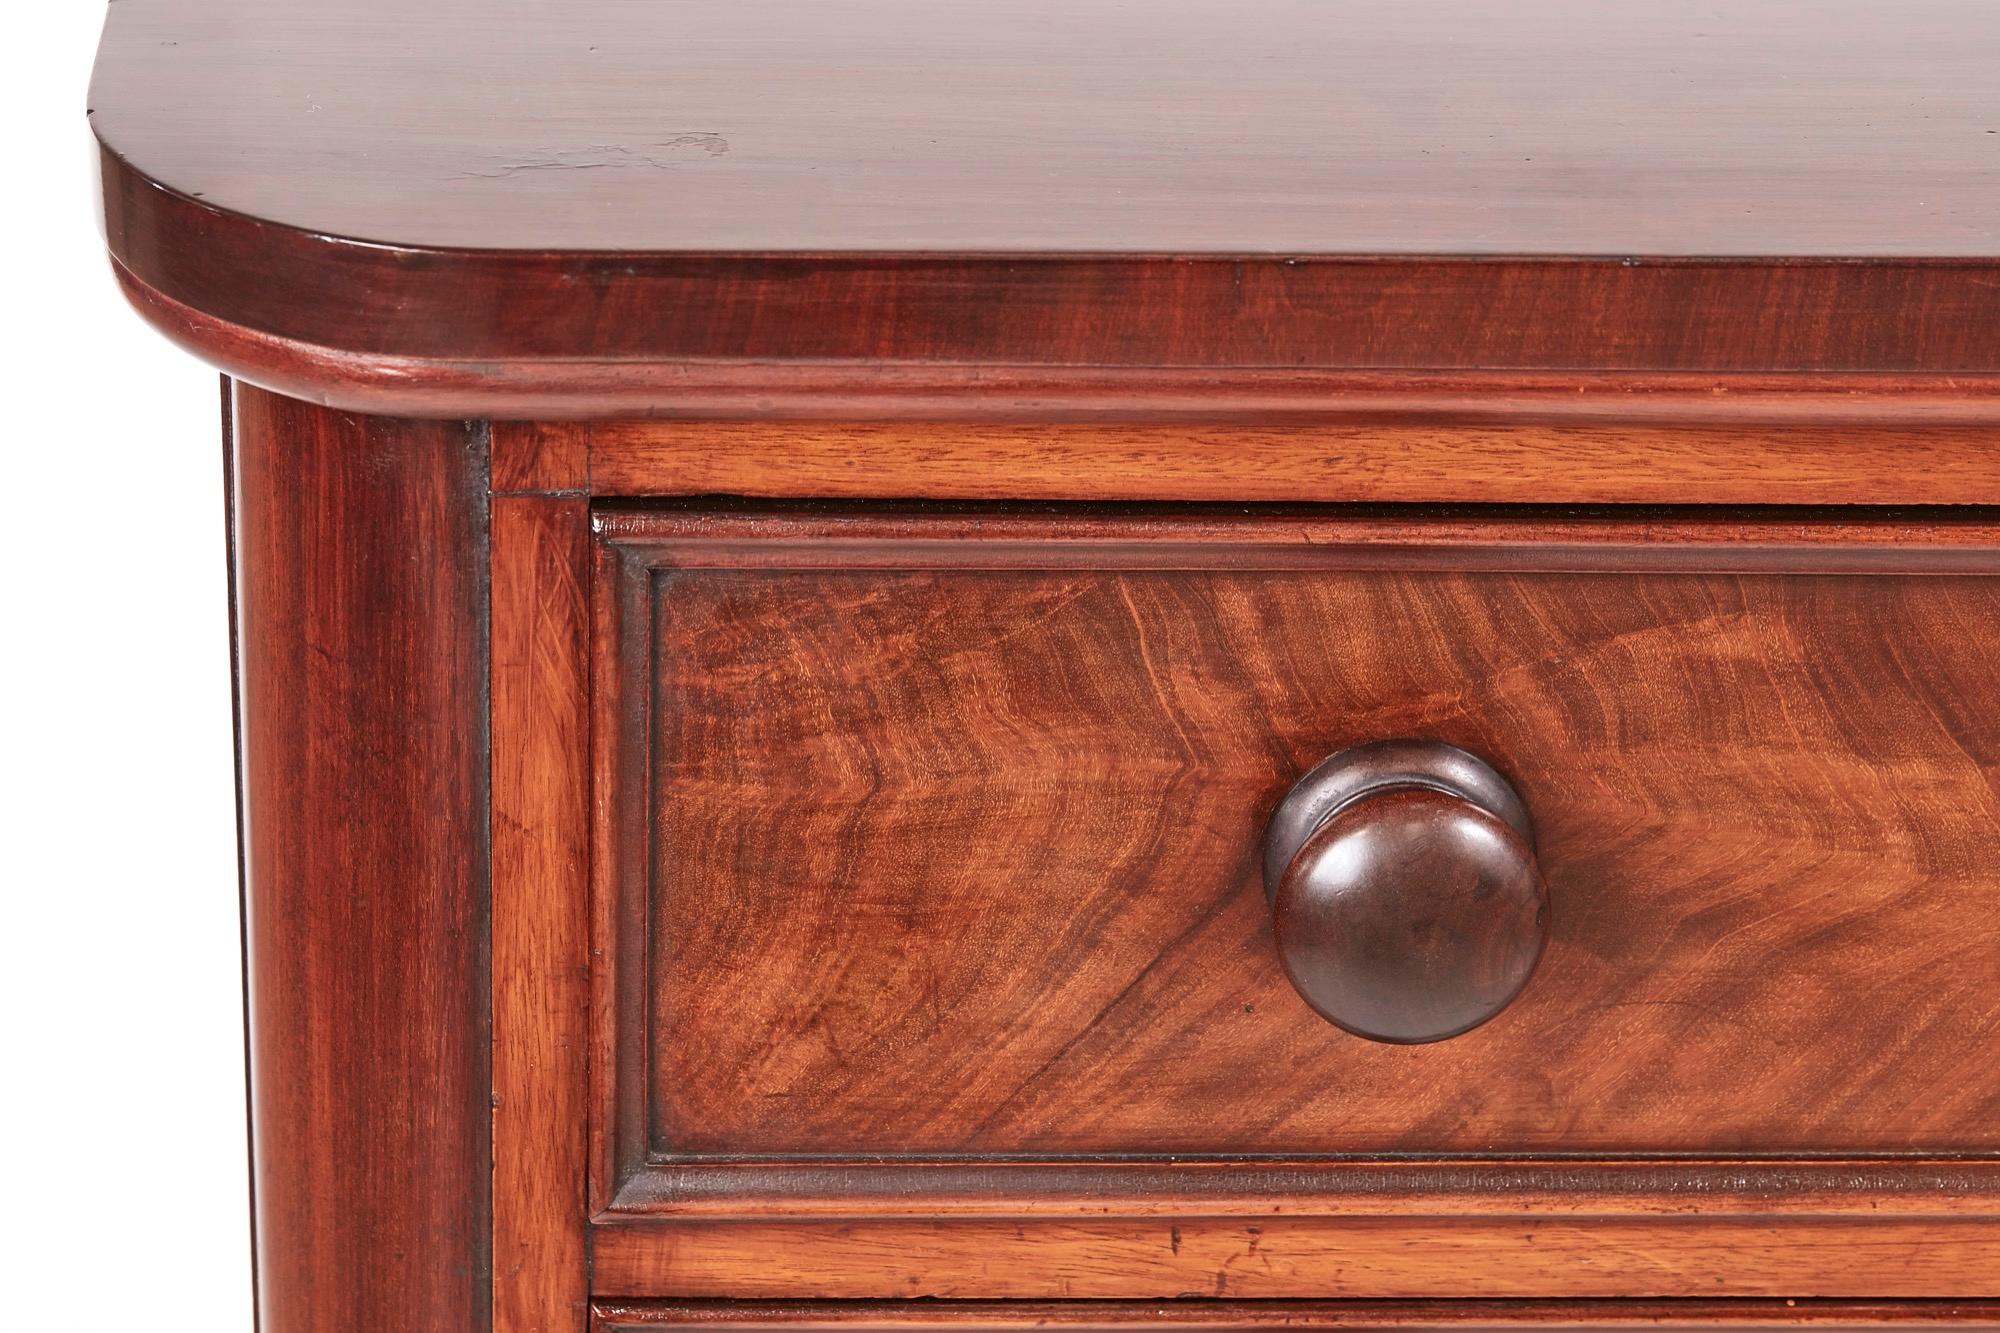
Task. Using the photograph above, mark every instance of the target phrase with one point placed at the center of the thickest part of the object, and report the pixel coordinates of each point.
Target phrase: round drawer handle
(1404, 890)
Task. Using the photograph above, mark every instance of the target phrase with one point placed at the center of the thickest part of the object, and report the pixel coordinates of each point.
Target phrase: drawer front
(929, 864)
(934, 857)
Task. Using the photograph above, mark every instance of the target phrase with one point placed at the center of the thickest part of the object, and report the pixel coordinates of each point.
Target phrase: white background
(124, 1189)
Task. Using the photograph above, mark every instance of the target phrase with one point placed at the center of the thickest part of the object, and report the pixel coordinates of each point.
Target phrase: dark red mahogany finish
(1404, 891)
(360, 628)
(1306, 1316)
(669, 909)
(790, 208)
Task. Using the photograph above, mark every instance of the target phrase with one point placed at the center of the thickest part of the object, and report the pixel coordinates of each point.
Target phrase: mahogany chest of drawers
(1082, 665)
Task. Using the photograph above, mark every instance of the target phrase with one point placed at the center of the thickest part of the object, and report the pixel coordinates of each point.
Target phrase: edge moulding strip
(615, 1316)
(559, 389)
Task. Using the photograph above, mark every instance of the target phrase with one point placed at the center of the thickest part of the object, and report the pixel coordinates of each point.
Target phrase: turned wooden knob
(1404, 890)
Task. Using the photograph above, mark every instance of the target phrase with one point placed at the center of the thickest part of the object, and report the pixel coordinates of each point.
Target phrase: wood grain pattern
(432, 244)
(539, 457)
(873, 893)
(903, 814)
(592, 387)
(1296, 1257)
(715, 534)
(436, 246)
(1775, 128)
(1216, 1316)
(360, 624)
(621, 716)
(1744, 463)
(595, 336)
(540, 559)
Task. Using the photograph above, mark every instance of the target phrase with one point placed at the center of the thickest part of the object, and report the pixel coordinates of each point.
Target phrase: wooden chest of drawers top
(788, 557)
(786, 208)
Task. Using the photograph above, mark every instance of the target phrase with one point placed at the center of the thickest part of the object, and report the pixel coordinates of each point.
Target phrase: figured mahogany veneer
(1773, 718)
(884, 792)
(786, 555)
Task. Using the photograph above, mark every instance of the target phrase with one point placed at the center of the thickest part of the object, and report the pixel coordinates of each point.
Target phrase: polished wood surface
(720, 534)
(1775, 127)
(1405, 899)
(1411, 917)
(539, 458)
(1428, 1186)
(929, 786)
(1845, 460)
(360, 624)
(489, 333)
(780, 208)
(589, 387)
(1289, 1257)
(541, 792)
(697, 874)
(1217, 1316)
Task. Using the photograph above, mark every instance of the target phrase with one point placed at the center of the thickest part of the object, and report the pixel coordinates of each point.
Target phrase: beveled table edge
(370, 327)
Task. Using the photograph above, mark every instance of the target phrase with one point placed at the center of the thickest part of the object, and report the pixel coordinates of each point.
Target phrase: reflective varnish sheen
(1405, 897)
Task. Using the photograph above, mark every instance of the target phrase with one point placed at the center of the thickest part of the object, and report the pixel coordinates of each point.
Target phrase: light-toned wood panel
(1324, 462)
(540, 840)
(1294, 1257)
(539, 458)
